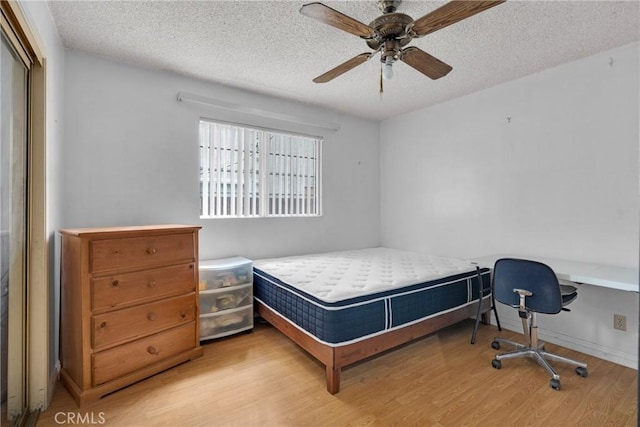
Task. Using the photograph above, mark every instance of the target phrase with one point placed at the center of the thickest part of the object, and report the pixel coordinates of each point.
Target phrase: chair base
(541, 356)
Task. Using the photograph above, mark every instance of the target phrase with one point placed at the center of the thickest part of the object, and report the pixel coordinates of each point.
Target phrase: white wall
(131, 157)
(545, 165)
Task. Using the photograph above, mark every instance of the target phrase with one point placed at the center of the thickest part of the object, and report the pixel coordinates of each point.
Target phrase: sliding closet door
(13, 220)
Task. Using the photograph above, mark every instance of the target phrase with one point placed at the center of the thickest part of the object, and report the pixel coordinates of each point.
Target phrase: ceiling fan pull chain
(381, 84)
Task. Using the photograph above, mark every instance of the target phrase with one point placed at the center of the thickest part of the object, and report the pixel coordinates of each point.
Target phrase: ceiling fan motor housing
(391, 34)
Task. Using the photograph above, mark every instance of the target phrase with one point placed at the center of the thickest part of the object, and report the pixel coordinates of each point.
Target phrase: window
(252, 172)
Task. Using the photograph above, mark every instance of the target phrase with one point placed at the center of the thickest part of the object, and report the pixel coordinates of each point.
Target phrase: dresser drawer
(119, 361)
(132, 288)
(146, 251)
(129, 323)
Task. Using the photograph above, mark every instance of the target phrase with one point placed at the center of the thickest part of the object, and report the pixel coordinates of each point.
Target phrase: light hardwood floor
(263, 379)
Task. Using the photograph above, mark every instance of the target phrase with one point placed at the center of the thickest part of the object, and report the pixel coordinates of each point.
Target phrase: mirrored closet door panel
(13, 215)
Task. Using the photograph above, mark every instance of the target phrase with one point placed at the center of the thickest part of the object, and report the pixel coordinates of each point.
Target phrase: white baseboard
(612, 355)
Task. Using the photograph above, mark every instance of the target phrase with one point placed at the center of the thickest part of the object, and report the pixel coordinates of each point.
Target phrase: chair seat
(568, 294)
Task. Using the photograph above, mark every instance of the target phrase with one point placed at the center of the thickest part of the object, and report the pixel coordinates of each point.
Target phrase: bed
(343, 307)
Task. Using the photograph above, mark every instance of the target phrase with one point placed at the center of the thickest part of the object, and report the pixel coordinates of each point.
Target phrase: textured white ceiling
(269, 47)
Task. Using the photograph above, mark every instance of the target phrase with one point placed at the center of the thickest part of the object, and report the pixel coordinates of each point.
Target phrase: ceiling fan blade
(337, 19)
(448, 14)
(343, 68)
(428, 65)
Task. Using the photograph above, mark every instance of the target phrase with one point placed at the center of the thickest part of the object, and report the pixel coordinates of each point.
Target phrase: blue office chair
(532, 287)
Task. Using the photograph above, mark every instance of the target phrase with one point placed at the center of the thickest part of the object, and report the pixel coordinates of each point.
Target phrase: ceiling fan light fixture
(387, 68)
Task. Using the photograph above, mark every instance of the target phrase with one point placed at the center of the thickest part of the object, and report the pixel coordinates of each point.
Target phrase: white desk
(625, 279)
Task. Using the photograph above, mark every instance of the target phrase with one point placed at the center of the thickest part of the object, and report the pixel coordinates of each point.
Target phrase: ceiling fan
(391, 31)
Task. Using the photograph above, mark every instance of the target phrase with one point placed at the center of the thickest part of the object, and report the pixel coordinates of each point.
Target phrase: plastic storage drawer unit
(226, 297)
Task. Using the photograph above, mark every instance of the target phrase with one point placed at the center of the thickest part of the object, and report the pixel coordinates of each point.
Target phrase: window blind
(252, 172)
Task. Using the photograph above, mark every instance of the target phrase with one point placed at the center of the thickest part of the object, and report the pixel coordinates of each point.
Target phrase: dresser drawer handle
(115, 283)
(151, 283)
(151, 316)
(151, 251)
(183, 315)
(103, 325)
(152, 350)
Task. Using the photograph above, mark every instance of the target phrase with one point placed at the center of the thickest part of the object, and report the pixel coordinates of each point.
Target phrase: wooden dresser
(129, 305)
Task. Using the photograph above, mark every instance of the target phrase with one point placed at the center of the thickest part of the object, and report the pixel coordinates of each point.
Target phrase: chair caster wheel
(555, 384)
(496, 363)
(495, 345)
(582, 372)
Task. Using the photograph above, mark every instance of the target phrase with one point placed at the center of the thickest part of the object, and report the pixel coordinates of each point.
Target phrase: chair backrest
(536, 277)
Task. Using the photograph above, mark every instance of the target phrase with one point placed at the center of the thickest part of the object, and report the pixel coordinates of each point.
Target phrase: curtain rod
(190, 97)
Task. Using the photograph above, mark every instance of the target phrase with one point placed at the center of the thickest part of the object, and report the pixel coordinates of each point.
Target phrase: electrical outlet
(620, 322)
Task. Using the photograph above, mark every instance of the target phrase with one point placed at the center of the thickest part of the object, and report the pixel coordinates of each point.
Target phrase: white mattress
(337, 276)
